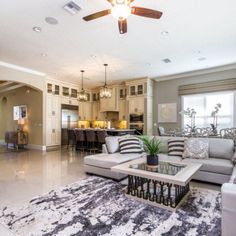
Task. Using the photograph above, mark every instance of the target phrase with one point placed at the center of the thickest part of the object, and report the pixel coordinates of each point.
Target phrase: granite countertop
(110, 130)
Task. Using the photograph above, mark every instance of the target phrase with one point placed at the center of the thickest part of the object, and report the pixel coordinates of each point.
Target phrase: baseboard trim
(36, 147)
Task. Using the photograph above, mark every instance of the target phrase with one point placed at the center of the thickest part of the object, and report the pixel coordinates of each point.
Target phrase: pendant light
(82, 96)
(105, 92)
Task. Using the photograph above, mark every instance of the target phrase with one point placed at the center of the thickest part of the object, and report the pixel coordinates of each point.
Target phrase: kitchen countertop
(110, 130)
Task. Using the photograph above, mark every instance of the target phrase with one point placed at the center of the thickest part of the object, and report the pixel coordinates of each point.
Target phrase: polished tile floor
(26, 174)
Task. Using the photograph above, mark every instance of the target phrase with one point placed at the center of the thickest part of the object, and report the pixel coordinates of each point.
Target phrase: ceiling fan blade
(140, 11)
(122, 26)
(111, 1)
(97, 15)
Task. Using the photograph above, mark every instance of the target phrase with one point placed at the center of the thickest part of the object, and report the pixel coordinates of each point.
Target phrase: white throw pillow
(196, 148)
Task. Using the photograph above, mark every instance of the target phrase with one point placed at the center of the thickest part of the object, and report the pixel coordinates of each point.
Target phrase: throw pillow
(176, 146)
(130, 145)
(196, 148)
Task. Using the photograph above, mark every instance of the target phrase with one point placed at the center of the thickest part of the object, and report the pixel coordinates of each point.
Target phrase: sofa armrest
(234, 158)
(228, 192)
(104, 148)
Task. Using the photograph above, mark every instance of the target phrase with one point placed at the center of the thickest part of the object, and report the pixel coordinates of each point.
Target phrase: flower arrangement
(214, 114)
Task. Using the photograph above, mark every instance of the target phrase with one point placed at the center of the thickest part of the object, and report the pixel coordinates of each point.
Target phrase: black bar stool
(101, 134)
(91, 140)
(71, 139)
(80, 140)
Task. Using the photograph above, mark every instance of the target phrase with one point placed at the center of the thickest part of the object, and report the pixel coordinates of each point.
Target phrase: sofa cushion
(214, 165)
(176, 146)
(112, 143)
(221, 148)
(109, 160)
(163, 144)
(130, 145)
(196, 148)
(165, 157)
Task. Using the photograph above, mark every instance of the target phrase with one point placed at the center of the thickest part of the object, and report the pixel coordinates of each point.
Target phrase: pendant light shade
(82, 96)
(105, 92)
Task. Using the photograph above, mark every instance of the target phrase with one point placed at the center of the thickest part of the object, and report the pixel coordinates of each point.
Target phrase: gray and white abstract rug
(97, 206)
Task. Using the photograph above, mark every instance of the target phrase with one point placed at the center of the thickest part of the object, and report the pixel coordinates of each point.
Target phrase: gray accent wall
(166, 91)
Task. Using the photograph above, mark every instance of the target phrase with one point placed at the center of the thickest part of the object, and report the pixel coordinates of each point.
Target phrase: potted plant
(152, 148)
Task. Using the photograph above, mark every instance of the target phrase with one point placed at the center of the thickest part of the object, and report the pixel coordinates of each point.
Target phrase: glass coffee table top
(163, 168)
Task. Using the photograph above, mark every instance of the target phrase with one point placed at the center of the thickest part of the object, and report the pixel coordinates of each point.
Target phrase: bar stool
(102, 134)
(71, 139)
(80, 140)
(91, 140)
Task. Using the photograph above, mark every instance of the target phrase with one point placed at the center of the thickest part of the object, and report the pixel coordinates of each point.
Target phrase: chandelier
(82, 96)
(105, 92)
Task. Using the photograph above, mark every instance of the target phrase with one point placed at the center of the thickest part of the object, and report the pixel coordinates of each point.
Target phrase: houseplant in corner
(152, 148)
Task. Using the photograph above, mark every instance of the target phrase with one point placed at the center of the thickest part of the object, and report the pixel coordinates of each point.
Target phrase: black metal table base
(153, 191)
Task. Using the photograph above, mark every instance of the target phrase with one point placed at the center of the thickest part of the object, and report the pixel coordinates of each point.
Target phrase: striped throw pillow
(130, 145)
(176, 147)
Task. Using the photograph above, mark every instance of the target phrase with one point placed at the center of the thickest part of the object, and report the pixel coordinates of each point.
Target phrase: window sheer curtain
(204, 105)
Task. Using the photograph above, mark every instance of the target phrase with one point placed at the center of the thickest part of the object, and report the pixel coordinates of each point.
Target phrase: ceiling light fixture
(82, 96)
(44, 54)
(121, 10)
(51, 20)
(164, 33)
(105, 92)
(37, 29)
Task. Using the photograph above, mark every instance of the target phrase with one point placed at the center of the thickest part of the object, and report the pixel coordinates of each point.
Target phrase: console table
(17, 138)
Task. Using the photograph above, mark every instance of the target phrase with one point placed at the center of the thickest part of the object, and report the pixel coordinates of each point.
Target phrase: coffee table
(165, 185)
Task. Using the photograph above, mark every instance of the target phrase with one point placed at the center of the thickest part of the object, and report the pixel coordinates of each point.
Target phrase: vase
(152, 160)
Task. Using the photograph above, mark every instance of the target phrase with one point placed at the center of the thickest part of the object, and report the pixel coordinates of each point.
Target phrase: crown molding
(196, 73)
(20, 68)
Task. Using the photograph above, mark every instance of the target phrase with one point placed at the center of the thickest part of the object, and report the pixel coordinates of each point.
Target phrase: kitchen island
(112, 132)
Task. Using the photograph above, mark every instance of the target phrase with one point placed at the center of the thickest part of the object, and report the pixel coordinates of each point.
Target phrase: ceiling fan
(121, 10)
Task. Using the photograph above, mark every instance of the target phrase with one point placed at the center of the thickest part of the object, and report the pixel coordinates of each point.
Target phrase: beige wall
(167, 92)
(34, 102)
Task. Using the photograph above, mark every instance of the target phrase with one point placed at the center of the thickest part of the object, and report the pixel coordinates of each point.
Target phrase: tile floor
(26, 174)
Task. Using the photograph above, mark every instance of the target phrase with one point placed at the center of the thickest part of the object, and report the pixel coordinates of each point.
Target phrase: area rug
(97, 206)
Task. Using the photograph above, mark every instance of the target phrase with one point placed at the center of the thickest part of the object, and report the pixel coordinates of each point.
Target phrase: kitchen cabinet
(110, 104)
(122, 109)
(136, 105)
(136, 90)
(53, 118)
(85, 111)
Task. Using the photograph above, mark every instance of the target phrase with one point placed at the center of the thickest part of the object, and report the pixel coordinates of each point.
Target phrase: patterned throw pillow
(196, 148)
(130, 145)
(176, 146)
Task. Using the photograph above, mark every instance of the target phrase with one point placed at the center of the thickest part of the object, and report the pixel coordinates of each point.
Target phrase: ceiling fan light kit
(121, 10)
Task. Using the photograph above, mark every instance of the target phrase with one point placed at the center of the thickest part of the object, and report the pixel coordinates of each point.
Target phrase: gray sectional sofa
(217, 169)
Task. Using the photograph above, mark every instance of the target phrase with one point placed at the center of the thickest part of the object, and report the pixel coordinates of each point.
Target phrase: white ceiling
(202, 28)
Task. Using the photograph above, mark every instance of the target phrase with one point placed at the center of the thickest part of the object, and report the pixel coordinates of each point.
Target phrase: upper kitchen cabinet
(137, 88)
(110, 104)
(136, 105)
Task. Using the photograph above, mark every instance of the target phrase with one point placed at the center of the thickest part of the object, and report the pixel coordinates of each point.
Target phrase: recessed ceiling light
(166, 60)
(202, 58)
(44, 54)
(164, 32)
(37, 29)
(51, 20)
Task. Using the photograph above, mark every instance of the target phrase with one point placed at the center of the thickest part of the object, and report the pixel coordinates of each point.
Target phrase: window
(204, 104)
